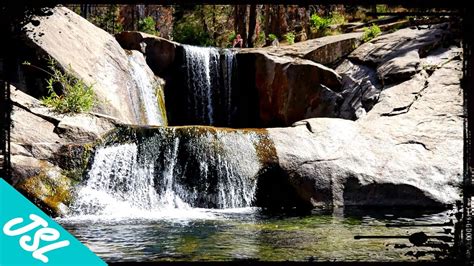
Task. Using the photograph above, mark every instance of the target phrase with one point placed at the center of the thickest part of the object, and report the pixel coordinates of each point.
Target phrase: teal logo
(30, 237)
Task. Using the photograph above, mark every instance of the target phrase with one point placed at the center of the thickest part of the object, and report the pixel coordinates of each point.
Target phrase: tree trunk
(266, 24)
(283, 25)
(133, 14)
(374, 10)
(136, 8)
(274, 26)
(240, 20)
(202, 17)
(85, 10)
(278, 23)
(214, 24)
(252, 24)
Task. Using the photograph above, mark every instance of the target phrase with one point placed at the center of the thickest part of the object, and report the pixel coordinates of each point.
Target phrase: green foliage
(382, 8)
(190, 30)
(371, 32)
(260, 41)
(76, 96)
(232, 36)
(337, 18)
(147, 25)
(106, 18)
(319, 23)
(272, 37)
(290, 37)
(204, 25)
(191, 34)
(322, 24)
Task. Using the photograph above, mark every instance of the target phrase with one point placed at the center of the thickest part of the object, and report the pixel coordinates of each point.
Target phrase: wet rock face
(94, 56)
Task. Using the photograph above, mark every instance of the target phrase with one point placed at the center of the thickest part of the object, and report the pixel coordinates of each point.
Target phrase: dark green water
(250, 234)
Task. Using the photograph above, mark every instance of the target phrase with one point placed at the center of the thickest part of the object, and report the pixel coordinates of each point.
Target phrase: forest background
(218, 25)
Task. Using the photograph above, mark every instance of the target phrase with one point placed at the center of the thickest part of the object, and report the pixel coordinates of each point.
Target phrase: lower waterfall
(170, 169)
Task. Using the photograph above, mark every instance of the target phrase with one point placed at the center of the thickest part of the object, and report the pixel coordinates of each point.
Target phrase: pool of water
(252, 234)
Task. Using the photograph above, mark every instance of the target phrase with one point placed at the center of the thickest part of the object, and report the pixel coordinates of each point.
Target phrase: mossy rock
(50, 190)
(74, 159)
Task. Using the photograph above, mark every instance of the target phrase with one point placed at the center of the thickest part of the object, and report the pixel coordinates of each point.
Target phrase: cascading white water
(209, 84)
(150, 176)
(146, 83)
(173, 170)
(228, 70)
(199, 61)
(116, 183)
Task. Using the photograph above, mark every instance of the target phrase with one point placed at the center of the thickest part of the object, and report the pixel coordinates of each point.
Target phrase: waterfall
(145, 100)
(173, 168)
(116, 183)
(228, 67)
(209, 85)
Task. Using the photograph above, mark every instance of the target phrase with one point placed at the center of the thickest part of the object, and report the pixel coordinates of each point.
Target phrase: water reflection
(249, 233)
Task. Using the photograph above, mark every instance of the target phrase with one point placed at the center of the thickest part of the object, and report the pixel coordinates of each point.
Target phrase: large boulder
(325, 50)
(94, 56)
(50, 151)
(396, 56)
(159, 52)
(293, 89)
(406, 151)
(386, 61)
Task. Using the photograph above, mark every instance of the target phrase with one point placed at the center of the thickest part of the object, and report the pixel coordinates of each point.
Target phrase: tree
(240, 21)
(252, 25)
(85, 10)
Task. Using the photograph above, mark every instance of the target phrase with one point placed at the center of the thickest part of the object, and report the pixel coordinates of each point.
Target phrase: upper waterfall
(148, 100)
(208, 74)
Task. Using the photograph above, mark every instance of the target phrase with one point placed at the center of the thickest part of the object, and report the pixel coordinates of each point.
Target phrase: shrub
(260, 41)
(319, 23)
(371, 32)
(322, 24)
(76, 96)
(232, 37)
(189, 32)
(290, 37)
(272, 37)
(382, 8)
(147, 25)
(337, 18)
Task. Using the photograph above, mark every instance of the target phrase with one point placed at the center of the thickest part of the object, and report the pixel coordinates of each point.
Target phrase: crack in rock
(295, 169)
(405, 109)
(415, 142)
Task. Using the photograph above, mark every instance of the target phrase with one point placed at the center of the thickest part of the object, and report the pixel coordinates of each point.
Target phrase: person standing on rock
(238, 41)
